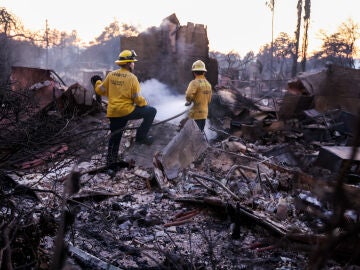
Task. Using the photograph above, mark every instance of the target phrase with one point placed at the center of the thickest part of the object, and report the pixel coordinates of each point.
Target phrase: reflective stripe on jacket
(199, 93)
(123, 91)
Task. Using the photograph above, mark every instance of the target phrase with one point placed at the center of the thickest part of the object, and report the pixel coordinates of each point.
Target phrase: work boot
(147, 140)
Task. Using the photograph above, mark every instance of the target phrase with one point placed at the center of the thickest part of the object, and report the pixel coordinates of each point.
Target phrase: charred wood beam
(90, 261)
(244, 211)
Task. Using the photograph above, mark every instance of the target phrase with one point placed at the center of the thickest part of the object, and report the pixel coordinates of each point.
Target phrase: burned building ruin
(167, 52)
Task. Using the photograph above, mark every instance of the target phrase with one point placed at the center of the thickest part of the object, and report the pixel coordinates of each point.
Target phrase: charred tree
(297, 38)
(307, 8)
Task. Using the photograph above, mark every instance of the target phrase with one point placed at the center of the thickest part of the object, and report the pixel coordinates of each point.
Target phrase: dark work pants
(147, 113)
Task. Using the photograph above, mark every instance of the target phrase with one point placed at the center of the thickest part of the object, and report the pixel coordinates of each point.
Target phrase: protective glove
(94, 79)
(188, 103)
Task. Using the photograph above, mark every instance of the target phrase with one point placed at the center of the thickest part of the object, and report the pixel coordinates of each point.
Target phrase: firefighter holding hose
(199, 94)
(125, 102)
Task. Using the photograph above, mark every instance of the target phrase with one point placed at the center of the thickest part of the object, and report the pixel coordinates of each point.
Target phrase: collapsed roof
(334, 87)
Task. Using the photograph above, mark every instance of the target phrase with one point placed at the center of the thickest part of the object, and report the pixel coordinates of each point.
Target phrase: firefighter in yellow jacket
(125, 102)
(199, 93)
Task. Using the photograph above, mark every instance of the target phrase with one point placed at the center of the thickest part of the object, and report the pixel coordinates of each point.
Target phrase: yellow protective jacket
(199, 92)
(122, 89)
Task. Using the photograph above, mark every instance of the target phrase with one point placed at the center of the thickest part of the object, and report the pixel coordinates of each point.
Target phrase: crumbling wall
(167, 53)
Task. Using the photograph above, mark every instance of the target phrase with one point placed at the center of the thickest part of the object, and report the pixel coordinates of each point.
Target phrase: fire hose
(170, 118)
(154, 124)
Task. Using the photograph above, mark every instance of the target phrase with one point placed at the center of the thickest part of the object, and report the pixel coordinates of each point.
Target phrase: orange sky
(239, 25)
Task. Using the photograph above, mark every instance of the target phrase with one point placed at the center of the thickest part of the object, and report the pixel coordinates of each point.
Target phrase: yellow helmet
(198, 66)
(126, 56)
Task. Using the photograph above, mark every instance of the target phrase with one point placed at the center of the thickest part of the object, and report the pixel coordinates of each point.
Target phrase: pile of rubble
(277, 188)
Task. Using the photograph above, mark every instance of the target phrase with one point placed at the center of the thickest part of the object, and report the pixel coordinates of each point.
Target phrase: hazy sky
(240, 25)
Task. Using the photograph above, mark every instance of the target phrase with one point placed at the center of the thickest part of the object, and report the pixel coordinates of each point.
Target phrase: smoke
(168, 104)
(164, 100)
